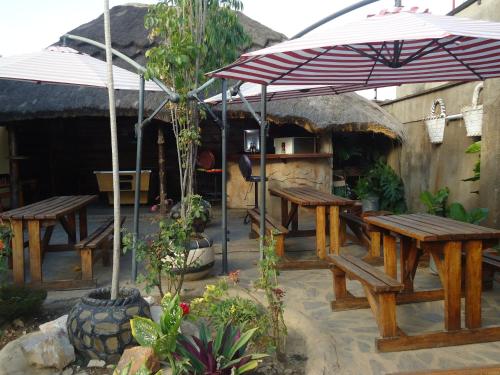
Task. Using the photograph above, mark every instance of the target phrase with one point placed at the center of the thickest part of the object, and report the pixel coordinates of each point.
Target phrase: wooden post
(14, 168)
(407, 253)
(17, 251)
(35, 251)
(452, 285)
(82, 220)
(321, 232)
(284, 212)
(71, 220)
(334, 230)
(390, 256)
(294, 208)
(339, 283)
(87, 263)
(387, 314)
(375, 239)
(473, 272)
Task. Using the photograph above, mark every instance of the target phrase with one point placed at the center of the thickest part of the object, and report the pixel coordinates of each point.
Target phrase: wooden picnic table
(45, 214)
(309, 197)
(445, 240)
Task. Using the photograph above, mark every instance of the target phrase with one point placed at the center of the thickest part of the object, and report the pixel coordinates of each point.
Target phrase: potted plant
(366, 193)
(15, 301)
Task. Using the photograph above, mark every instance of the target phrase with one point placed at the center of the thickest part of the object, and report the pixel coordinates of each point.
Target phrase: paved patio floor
(343, 340)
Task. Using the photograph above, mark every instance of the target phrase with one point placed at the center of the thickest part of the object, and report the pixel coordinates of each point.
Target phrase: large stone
(138, 356)
(57, 324)
(14, 359)
(48, 349)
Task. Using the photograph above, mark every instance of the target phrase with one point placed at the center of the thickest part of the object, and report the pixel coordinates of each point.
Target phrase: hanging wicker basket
(435, 123)
(473, 115)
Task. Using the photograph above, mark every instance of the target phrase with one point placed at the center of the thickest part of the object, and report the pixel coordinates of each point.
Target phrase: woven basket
(473, 115)
(435, 123)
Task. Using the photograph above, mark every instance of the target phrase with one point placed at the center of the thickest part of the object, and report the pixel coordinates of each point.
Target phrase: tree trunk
(114, 156)
(161, 170)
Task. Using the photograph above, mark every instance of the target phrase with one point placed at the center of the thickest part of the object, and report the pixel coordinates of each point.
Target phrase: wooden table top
(425, 227)
(308, 196)
(49, 209)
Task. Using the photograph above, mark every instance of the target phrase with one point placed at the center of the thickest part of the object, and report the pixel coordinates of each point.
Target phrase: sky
(31, 25)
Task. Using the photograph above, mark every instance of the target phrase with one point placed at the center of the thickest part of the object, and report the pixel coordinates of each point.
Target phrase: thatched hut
(63, 134)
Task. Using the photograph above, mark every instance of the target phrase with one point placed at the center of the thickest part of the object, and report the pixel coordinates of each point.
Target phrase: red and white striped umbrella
(68, 66)
(382, 50)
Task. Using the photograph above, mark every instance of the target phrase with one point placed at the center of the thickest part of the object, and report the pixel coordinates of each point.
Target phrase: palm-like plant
(223, 355)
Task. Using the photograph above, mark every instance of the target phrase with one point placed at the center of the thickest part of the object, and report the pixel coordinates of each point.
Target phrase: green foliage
(382, 181)
(5, 250)
(474, 149)
(436, 204)
(222, 355)
(18, 302)
(161, 337)
(457, 211)
(268, 281)
(220, 309)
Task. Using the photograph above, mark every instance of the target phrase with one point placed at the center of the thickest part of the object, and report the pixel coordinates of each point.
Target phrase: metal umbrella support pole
(224, 177)
(138, 167)
(263, 131)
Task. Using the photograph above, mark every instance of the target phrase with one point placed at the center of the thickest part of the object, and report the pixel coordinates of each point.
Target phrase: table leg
(452, 284)
(284, 212)
(18, 251)
(390, 256)
(72, 228)
(35, 251)
(473, 272)
(82, 220)
(334, 230)
(321, 232)
(408, 262)
(294, 212)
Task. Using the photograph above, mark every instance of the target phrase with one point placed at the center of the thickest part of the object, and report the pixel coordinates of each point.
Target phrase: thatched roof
(25, 100)
(346, 112)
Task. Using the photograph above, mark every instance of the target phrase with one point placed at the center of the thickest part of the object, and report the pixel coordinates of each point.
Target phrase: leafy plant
(364, 188)
(222, 355)
(457, 211)
(5, 250)
(220, 309)
(435, 204)
(475, 148)
(161, 337)
(268, 281)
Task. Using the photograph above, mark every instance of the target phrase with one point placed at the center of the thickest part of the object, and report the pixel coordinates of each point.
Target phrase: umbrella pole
(224, 177)
(138, 166)
(263, 130)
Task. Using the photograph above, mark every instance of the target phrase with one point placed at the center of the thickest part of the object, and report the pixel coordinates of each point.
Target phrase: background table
(45, 214)
(312, 198)
(444, 239)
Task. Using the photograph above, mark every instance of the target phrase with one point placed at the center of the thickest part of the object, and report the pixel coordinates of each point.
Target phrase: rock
(149, 299)
(189, 328)
(58, 324)
(96, 363)
(13, 359)
(67, 371)
(138, 356)
(48, 349)
(18, 323)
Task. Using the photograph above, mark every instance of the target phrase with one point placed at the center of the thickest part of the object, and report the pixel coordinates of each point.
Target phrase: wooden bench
(272, 227)
(96, 246)
(491, 264)
(380, 291)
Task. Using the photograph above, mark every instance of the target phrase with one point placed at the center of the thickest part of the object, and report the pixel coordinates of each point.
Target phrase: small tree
(114, 155)
(194, 37)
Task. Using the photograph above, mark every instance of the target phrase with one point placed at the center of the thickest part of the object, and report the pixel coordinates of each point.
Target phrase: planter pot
(201, 259)
(99, 328)
(473, 115)
(370, 203)
(436, 123)
(17, 302)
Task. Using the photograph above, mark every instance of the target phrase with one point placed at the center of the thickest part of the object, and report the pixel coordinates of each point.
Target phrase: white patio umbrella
(391, 48)
(67, 66)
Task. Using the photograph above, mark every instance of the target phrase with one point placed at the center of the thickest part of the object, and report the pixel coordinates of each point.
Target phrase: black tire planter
(99, 328)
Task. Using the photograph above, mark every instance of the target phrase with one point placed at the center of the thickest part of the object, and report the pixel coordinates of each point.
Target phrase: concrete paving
(337, 343)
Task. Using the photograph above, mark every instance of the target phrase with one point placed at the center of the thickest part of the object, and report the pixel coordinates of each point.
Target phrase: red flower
(185, 308)
(234, 276)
